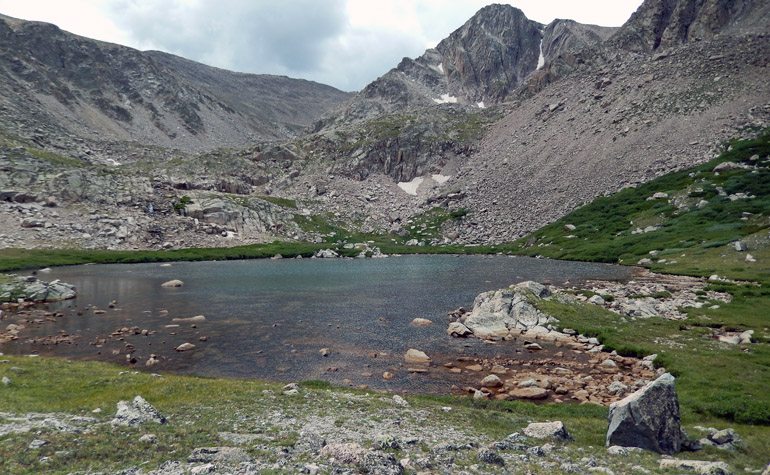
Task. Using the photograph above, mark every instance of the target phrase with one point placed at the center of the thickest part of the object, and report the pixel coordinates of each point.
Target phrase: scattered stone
(399, 401)
(698, 466)
(185, 347)
(529, 393)
(740, 246)
(6, 381)
(648, 418)
(490, 457)
(458, 330)
(37, 443)
(324, 351)
(547, 430)
(136, 413)
(416, 356)
(421, 322)
(195, 319)
(148, 439)
(230, 455)
(172, 283)
(492, 381)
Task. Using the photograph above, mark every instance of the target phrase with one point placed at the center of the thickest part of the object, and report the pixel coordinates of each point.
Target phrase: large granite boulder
(499, 311)
(30, 289)
(648, 419)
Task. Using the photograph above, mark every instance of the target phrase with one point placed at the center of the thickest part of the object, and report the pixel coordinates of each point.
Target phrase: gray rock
(34, 290)
(457, 329)
(648, 418)
(490, 457)
(547, 430)
(698, 466)
(148, 439)
(740, 246)
(537, 289)
(136, 413)
(725, 439)
(498, 312)
(326, 254)
(491, 381)
(616, 387)
(6, 381)
(230, 455)
(37, 443)
(172, 283)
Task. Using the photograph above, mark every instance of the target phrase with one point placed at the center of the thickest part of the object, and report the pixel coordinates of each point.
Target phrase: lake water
(268, 319)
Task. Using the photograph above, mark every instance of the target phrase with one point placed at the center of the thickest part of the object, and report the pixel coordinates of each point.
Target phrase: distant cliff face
(55, 86)
(479, 64)
(561, 36)
(660, 24)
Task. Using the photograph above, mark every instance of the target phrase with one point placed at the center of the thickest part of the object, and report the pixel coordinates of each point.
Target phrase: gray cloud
(290, 38)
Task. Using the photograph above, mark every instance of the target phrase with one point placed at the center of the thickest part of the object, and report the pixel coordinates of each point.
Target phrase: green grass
(604, 229)
(284, 202)
(13, 259)
(714, 379)
(199, 408)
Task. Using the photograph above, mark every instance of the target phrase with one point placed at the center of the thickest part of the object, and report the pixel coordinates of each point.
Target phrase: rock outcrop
(499, 311)
(137, 412)
(663, 24)
(648, 419)
(30, 289)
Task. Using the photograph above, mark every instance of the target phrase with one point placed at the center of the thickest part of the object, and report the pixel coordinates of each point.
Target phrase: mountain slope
(478, 64)
(610, 119)
(55, 85)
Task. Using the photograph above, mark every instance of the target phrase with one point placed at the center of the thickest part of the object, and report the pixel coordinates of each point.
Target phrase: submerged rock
(172, 283)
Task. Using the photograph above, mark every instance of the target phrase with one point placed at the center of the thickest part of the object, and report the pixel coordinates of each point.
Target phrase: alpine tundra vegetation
(646, 145)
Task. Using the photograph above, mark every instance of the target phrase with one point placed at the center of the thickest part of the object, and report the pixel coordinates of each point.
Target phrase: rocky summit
(503, 127)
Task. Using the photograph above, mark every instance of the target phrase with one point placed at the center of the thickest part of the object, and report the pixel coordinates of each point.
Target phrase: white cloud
(344, 43)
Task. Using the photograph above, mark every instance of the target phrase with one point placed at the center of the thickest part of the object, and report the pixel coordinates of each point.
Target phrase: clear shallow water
(268, 319)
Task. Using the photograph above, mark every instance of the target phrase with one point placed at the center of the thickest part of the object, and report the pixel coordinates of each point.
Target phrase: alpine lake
(270, 319)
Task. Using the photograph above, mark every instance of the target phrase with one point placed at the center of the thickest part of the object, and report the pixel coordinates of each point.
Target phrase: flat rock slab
(698, 466)
(547, 430)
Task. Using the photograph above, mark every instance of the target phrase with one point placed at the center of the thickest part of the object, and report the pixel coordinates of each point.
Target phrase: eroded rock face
(648, 419)
(660, 24)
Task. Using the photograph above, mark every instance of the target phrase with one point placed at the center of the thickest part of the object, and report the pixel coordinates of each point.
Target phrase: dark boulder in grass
(648, 419)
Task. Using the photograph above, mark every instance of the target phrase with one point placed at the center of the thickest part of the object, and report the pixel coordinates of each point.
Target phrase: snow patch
(410, 187)
(541, 59)
(446, 99)
(441, 179)
(441, 68)
(481, 105)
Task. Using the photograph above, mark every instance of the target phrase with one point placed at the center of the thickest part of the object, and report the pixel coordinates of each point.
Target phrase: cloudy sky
(343, 43)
